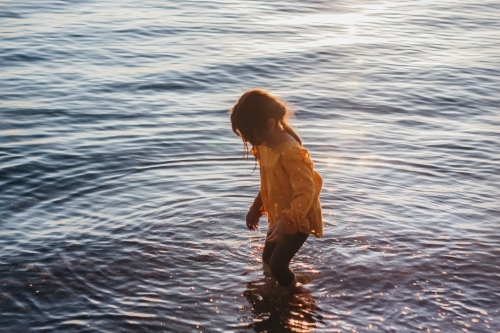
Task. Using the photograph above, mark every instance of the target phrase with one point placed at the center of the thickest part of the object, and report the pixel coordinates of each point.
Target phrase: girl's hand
(253, 217)
(275, 232)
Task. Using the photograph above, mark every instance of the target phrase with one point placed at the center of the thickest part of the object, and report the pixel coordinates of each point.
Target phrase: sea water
(123, 191)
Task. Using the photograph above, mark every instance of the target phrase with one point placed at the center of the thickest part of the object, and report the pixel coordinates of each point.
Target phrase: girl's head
(255, 112)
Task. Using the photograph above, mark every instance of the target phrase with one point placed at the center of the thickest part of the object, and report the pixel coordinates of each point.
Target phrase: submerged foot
(268, 289)
(303, 279)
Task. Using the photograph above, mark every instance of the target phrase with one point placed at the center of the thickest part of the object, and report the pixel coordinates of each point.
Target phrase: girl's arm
(257, 205)
(255, 212)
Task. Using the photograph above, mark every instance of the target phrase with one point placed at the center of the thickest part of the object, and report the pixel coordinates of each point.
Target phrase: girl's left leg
(281, 255)
(268, 251)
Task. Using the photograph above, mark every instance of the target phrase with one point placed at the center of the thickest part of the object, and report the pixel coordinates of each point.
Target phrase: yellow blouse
(289, 187)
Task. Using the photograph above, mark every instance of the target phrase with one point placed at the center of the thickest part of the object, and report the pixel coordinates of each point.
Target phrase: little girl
(289, 186)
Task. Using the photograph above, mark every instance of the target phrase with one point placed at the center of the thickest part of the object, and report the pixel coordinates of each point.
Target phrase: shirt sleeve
(258, 205)
(299, 169)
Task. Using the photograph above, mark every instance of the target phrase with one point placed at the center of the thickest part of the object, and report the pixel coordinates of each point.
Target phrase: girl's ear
(270, 124)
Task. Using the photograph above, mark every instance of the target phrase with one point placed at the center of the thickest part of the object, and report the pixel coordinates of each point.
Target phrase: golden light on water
(322, 19)
(300, 326)
(317, 30)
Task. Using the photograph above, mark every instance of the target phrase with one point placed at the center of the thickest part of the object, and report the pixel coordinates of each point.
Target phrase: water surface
(123, 192)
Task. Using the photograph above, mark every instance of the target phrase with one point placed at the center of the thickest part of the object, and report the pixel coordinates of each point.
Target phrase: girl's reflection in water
(276, 309)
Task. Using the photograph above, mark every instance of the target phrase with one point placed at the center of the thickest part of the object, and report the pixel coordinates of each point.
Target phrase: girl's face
(256, 138)
(260, 136)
